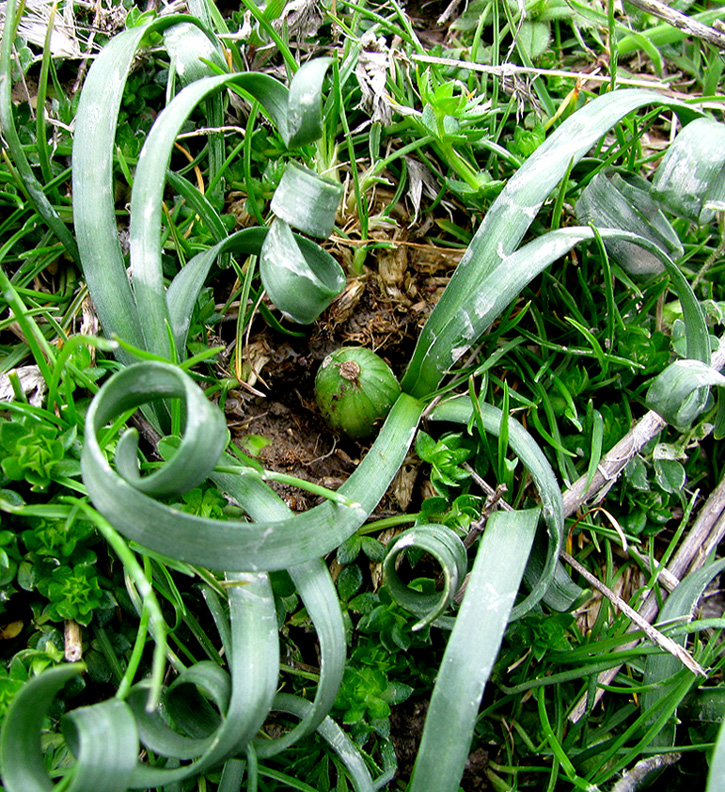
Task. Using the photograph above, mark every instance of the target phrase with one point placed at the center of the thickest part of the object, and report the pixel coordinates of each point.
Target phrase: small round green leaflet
(448, 550)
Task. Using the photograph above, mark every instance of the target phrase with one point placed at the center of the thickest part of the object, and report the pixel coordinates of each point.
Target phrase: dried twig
(706, 532)
(73, 641)
(614, 462)
(679, 20)
(632, 779)
(704, 535)
(642, 624)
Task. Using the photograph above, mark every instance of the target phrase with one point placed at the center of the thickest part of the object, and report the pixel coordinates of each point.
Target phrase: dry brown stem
(679, 20)
(704, 535)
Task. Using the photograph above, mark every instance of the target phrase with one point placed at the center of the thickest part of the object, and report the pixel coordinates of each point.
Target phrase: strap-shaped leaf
(660, 668)
(319, 596)
(104, 740)
(23, 766)
(253, 672)
(156, 734)
(472, 649)
(716, 777)
(623, 200)
(679, 394)
(188, 282)
(304, 117)
(542, 575)
(501, 285)
(296, 109)
(94, 214)
(231, 545)
(474, 295)
(335, 737)
(103, 737)
(147, 196)
(189, 47)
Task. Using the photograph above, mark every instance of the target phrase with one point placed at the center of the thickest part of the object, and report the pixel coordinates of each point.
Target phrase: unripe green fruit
(355, 389)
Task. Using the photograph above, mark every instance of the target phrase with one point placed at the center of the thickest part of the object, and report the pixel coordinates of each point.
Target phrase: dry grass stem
(642, 624)
(679, 20)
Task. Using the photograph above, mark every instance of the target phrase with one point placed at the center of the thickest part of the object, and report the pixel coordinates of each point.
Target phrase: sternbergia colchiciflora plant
(151, 319)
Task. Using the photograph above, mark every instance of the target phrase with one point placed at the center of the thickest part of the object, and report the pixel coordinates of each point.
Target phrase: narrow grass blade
(472, 649)
(7, 121)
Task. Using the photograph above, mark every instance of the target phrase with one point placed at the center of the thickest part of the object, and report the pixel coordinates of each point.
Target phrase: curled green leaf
(472, 649)
(300, 277)
(218, 544)
(680, 393)
(447, 549)
(692, 171)
(103, 738)
(623, 200)
(307, 201)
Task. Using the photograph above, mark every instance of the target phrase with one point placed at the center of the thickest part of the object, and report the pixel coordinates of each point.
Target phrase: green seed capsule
(355, 389)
